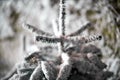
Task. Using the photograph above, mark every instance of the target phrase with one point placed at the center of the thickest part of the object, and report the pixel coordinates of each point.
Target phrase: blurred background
(15, 40)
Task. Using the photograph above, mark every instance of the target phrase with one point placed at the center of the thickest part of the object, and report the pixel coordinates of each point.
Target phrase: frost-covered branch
(62, 15)
(79, 31)
(55, 28)
(62, 26)
(76, 39)
(36, 30)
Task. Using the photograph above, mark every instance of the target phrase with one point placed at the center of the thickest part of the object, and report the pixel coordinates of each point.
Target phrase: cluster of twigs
(83, 66)
(71, 38)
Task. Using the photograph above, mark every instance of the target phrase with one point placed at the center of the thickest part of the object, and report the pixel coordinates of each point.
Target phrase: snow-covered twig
(79, 31)
(76, 39)
(36, 30)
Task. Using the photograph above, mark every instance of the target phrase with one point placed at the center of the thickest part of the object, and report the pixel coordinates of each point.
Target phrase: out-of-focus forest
(15, 40)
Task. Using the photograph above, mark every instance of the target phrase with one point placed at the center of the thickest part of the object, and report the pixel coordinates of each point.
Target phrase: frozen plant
(86, 64)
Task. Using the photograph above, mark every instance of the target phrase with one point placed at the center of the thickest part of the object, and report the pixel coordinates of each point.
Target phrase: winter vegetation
(60, 40)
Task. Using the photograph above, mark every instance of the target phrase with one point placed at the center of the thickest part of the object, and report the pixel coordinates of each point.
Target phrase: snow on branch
(36, 30)
(78, 39)
(79, 31)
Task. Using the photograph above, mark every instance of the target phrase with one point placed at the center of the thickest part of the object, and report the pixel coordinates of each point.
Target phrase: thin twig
(62, 15)
(78, 39)
(36, 30)
(79, 31)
